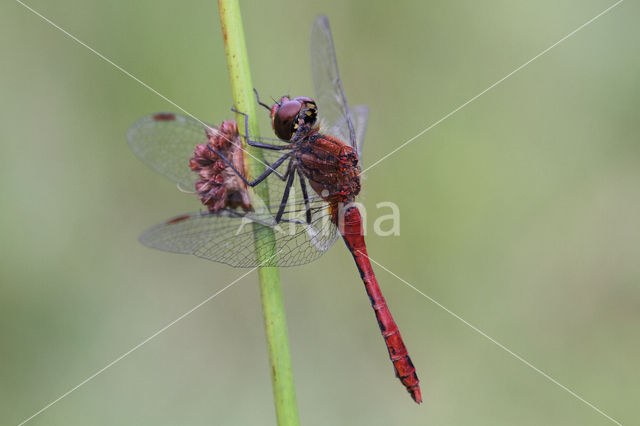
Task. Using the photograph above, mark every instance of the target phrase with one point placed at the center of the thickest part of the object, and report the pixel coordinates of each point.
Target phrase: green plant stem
(269, 277)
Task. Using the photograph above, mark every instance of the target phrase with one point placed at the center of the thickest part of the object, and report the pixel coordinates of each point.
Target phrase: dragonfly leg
(275, 172)
(285, 195)
(259, 101)
(271, 169)
(256, 143)
(303, 187)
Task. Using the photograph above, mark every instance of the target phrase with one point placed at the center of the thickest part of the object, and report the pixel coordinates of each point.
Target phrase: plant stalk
(269, 277)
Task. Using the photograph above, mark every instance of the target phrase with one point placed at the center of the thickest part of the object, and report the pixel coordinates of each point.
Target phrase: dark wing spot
(178, 219)
(164, 117)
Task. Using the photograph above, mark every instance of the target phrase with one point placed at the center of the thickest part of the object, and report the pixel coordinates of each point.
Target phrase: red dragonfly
(325, 156)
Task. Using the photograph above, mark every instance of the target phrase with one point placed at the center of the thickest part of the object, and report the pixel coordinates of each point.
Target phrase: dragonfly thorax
(331, 167)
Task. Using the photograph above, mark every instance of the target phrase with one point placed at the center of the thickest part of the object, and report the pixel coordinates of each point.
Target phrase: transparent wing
(360, 114)
(228, 236)
(165, 142)
(332, 103)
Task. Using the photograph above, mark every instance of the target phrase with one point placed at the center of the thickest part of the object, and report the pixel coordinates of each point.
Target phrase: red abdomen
(351, 230)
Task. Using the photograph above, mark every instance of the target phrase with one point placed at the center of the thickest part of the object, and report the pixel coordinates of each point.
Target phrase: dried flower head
(219, 186)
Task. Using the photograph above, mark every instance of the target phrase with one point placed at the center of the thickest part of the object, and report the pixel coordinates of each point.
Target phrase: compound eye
(285, 118)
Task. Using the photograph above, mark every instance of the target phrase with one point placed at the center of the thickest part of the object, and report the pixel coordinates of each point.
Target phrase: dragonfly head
(289, 114)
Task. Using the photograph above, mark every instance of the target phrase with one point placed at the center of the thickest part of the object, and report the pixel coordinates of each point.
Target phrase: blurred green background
(520, 213)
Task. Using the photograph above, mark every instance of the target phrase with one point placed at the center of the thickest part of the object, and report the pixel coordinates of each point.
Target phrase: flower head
(220, 186)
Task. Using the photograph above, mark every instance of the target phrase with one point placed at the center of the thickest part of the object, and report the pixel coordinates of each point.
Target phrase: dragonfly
(313, 177)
